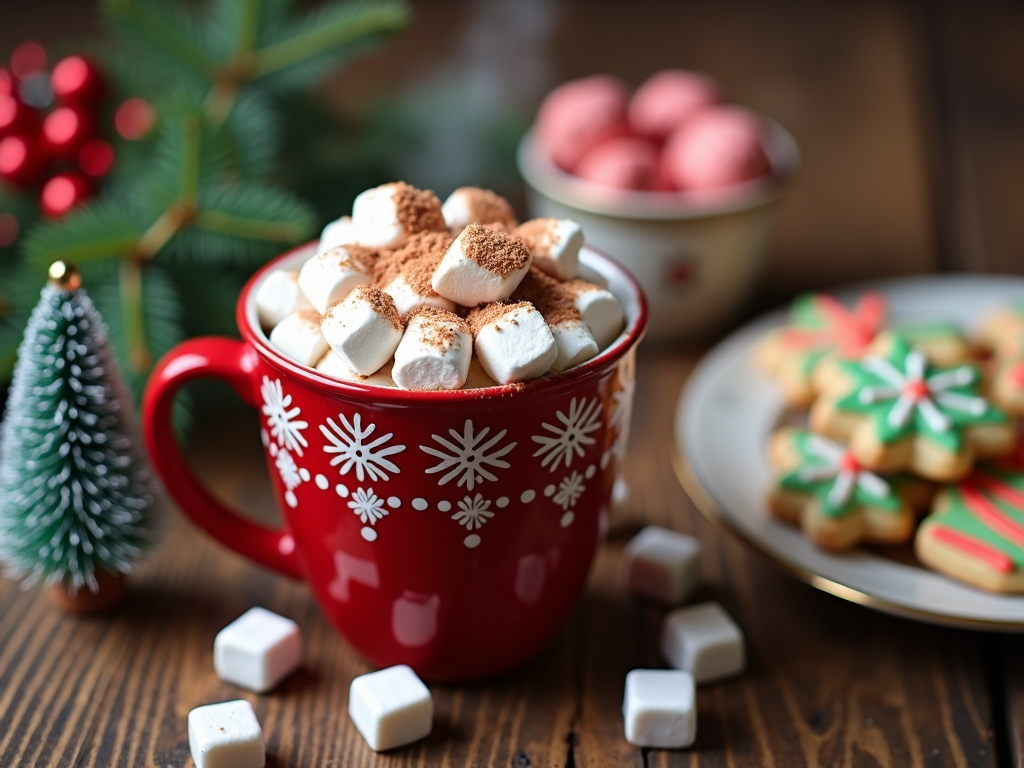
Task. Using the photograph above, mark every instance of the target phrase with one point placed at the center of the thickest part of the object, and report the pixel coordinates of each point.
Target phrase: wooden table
(910, 116)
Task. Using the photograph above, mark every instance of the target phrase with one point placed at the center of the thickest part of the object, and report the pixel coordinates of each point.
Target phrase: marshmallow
(434, 352)
(513, 343)
(386, 216)
(278, 296)
(329, 276)
(600, 310)
(333, 365)
(554, 245)
(659, 709)
(481, 266)
(703, 640)
(405, 274)
(716, 147)
(298, 336)
(390, 708)
(662, 564)
(625, 162)
(472, 205)
(363, 328)
(575, 344)
(257, 650)
(338, 232)
(579, 115)
(668, 99)
(226, 736)
(573, 339)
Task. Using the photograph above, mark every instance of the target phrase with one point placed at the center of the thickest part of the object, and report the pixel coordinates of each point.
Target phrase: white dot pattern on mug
(304, 474)
(444, 506)
(528, 496)
(322, 482)
(549, 491)
(342, 490)
(591, 470)
(394, 502)
(369, 534)
(606, 460)
(472, 541)
(502, 502)
(419, 504)
(290, 499)
(567, 519)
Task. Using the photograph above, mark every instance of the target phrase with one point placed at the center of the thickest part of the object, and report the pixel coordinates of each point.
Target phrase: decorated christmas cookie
(899, 411)
(822, 328)
(976, 531)
(821, 487)
(1002, 331)
(1007, 388)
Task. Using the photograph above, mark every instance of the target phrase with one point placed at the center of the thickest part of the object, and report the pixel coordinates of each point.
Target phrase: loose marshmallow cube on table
(339, 232)
(386, 216)
(330, 275)
(554, 244)
(391, 708)
(662, 564)
(659, 708)
(704, 641)
(473, 205)
(405, 274)
(555, 302)
(257, 650)
(600, 310)
(481, 266)
(512, 341)
(363, 328)
(278, 296)
(434, 352)
(298, 336)
(226, 735)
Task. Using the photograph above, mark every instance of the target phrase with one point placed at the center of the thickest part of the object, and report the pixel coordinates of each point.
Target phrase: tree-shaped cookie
(899, 411)
(821, 327)
(976, 530)
(819, 486)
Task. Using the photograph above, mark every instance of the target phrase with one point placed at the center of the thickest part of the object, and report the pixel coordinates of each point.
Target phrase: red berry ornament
(62, 193)
(134, 119)
(17, 117)
(95, 158)
(28, 59)
(21, 162)
(66, 129)
(6, 83)
(76, 80)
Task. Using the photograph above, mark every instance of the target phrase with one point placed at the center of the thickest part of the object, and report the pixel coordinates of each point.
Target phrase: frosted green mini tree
(75, 492)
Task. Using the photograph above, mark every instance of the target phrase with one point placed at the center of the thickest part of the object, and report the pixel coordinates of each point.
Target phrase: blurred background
(909, 114)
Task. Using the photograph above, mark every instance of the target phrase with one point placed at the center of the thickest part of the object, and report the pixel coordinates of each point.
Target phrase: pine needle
(98, 231)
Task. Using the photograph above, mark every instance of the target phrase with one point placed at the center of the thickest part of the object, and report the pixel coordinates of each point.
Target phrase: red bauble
(6, 83)
(66, 129)
(28, 59)
(95, 158)
(21, 161)
(134, 119)
(17, 117)
(76, 80)
(64, 192)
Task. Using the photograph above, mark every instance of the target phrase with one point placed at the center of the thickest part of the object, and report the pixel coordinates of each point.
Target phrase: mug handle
(233, 362)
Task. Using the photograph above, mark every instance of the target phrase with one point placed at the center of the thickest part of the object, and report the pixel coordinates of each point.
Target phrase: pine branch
(240, 26)
(327, 35)
(251, 134)
(96, 232)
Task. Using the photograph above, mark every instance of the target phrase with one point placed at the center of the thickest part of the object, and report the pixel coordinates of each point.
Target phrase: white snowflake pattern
(569, 441)
(569, 491)
(282, 419)
(911, 388)
(289, 470)
(473, 513)
(469, 457)
(367, 505)
(847, 472)
(349, 443)
(622, 403)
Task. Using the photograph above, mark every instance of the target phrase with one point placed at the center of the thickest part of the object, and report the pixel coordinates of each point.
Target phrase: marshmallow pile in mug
(412, 293)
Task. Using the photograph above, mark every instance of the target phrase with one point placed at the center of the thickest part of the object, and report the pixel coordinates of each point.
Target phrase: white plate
(729, 408)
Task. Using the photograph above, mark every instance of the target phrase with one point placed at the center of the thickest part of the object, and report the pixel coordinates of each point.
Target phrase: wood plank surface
(828, 683)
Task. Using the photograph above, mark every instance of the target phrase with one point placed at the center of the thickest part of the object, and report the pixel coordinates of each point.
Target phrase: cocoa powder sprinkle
(538, 235)
(418, 210)
(416, 261)
(379, 302)
(439, 328)
(553, 299)
(488, 314)
(495, 251)
(488, 207)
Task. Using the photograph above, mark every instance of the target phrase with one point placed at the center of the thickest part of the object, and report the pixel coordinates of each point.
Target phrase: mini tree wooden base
(113, 591)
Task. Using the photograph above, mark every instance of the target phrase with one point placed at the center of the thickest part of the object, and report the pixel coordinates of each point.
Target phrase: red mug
(450, 531)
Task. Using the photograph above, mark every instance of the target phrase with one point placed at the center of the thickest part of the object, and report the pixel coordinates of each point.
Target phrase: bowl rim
(541, 174)
(245, 319)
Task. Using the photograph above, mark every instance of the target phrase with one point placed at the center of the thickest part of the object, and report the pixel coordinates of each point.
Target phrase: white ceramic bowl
(697, 255)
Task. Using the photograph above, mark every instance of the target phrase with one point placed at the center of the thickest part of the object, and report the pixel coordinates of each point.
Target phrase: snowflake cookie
(819, 486)
(976, 530)
(821, 328)
(1007, 387)
(1001, 331)
(899, 411)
